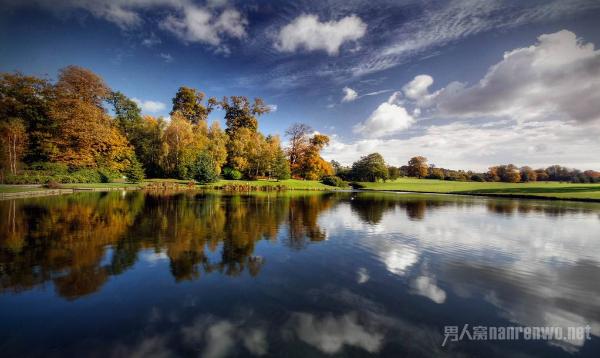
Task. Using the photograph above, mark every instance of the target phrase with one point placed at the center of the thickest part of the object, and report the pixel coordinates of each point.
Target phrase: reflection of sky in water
(304, 276)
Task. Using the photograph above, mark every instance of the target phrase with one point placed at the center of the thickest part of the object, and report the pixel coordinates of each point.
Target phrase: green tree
(204, 168)
(134, 172)
(189, 103)
(281, 166)
(127, 115)
(241, 113)
(29, 98)
(370, 168)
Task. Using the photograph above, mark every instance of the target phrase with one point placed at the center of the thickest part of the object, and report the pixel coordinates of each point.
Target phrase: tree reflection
(65, 239)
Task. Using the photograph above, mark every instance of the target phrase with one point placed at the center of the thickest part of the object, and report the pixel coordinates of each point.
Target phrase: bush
(356, 185)
(204, 169)
(477, 177)
(52, 184)
(232, 174)
(332, 180)
(86, 176)
(108, 175)
(135, 171)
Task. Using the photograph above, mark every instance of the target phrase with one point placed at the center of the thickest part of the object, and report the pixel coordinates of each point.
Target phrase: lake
(295, 274)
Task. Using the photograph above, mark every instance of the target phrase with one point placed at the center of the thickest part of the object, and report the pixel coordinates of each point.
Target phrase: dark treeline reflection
(78, 241)
(65, 239)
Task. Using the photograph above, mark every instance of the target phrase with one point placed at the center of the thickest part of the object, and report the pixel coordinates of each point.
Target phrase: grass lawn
(541, 189)
(290, 183)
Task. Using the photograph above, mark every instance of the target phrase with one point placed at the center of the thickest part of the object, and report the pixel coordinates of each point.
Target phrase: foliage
(14, 142)
(333, 180)
(188, 103)
(241, 113)
(204, 169)
(370, 168)
(134, 172)
(230, 173)
(281, 166)
(417, 167)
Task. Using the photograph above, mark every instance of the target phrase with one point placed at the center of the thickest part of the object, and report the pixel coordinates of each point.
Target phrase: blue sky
(467, 84)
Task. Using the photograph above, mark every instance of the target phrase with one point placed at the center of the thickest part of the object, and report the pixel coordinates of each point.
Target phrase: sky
(466, 83)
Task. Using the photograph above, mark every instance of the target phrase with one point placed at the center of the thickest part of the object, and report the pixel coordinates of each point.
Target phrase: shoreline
(61, 191)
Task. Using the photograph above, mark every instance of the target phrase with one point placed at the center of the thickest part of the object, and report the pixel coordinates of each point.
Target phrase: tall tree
(313, 166)
(298, 134)
(241, 113)
(189, 103)
(86, 135)
(127, 114)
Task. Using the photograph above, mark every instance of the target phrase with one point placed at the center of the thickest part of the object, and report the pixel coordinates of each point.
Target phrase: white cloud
(446, 22)
(189, 22)
(166, 56)
(558, 77)
(150, 106)
(362, 275)
(349, 94)
(330, 334)
(306, 31)
(389, 118)
(426, 286)
(197, 24)
(151, 40)
(273, 107)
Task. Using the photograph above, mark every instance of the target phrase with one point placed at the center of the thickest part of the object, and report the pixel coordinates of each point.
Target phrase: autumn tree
(86, 134)
(150, 147)
(370, 168)
(313, 166)
(14, 141)
(298, 134)
(189, 103)
(181, 150)
(417, 167)
(528, 174)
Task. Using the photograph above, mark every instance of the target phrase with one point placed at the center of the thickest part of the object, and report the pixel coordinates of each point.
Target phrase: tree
(127, 115)
(394, 172)
(417, 167)
(28, 98)
(188, 102)
(204, 169)
(281, 166)
(240, 113)
(528, 174)
(14, 141)
(298, 134)
(370, 168)
(180, 153)
(312, 166)
(86, 135)
(217, 146)
(134, 172)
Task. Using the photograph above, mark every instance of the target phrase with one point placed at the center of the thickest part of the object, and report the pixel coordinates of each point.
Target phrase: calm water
(298, 274)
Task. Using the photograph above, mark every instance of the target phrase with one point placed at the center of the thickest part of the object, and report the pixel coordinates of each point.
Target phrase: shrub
(477, 177)
(52, 184)
(230, 173)
(204, 169)
(135, 171)
(356, 185)
(86, 176)
(332, 180)
(108, 175)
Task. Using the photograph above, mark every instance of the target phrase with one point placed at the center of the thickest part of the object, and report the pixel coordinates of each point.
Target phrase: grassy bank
(550, 190)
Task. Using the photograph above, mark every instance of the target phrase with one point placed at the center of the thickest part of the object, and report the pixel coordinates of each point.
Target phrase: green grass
(289, 183)
(537, 189)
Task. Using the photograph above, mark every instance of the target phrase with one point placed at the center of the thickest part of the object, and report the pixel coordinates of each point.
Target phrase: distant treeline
(79, 130)
(373, 168)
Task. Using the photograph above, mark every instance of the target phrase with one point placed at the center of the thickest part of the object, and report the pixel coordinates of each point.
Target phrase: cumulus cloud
(166, 56)
(426, 286)
(389, 118)
(197, 24)
(349, 94)
(306, 31)
(559, 75)
(149, 106)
